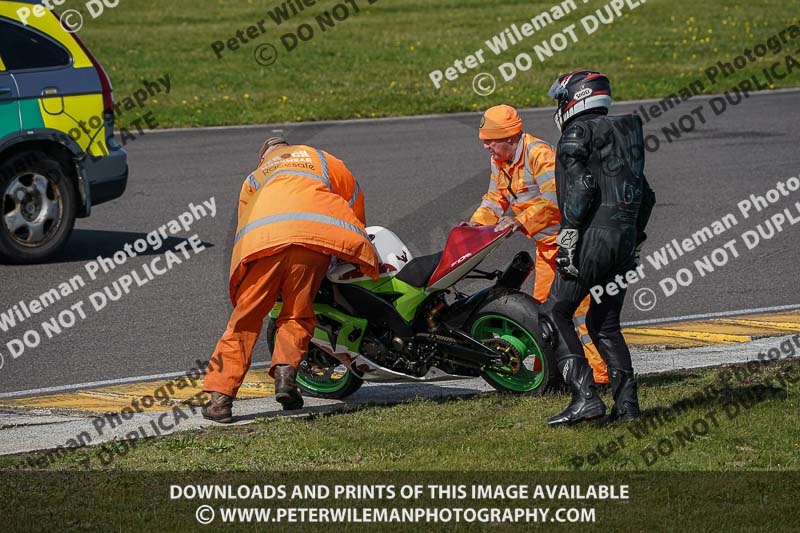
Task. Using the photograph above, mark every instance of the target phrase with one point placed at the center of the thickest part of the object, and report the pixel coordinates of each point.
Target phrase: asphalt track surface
(421, 176)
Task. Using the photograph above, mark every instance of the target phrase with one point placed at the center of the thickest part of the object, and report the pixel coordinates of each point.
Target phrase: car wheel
(38, 204)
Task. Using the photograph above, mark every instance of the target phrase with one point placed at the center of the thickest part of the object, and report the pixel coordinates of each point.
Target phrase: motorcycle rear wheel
(320, 375)
(508, 326)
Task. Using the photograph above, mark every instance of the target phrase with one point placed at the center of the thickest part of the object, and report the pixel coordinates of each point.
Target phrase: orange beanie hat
(500, 122)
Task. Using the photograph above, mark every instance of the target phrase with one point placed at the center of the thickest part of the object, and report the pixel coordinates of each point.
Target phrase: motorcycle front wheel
(508, 325)
(320, 375)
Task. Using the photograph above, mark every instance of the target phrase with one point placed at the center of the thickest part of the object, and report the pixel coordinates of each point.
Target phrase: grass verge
(732, 419)
(376, 62)
(473, 456)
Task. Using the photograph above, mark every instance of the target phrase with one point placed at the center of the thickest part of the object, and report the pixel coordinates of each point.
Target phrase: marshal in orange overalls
(527, 185)
(297, 209)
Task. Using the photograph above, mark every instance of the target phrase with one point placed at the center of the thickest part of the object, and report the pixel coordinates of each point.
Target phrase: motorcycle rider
(297, 209)
(523, 178)
(605, 203)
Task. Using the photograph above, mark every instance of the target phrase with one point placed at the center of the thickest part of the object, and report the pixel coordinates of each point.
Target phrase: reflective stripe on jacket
(304, 196)
(528, 187)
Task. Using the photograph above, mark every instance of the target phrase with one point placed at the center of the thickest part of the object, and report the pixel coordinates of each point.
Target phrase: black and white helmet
(579, 92)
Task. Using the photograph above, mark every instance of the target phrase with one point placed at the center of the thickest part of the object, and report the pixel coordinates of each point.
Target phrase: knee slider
(548, 329)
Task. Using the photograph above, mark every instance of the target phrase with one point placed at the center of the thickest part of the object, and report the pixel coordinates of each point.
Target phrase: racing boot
(586, 404)
(286, 392)
(218, 408)
(626, 398)
(602, 388)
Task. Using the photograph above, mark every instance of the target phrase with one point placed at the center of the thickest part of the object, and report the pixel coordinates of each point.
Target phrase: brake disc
(319, 368)
(514, 361)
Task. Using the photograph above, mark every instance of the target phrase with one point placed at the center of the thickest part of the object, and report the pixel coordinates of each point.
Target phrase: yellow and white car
(58, 157)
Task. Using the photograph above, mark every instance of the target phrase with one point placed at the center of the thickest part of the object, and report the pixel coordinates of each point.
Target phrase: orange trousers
(545, 274)
(295, 273)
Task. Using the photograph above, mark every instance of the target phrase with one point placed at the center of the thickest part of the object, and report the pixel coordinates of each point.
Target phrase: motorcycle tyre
(352, 384)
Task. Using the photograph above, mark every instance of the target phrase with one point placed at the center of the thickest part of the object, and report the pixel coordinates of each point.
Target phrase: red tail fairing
(462, 244)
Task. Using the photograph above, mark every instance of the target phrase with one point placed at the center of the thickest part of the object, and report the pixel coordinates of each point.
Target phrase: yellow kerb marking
(719, 338)
(113, 399)
(637, 339)
(780, 326)
(79, 401)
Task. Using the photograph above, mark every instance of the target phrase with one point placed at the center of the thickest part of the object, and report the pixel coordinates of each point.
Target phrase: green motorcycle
(412, 325)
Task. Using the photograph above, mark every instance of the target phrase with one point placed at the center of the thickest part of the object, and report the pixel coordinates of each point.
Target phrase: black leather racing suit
(602, 193)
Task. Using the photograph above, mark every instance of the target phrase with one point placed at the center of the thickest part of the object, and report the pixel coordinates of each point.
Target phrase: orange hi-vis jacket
(299, 195)
(528, 186)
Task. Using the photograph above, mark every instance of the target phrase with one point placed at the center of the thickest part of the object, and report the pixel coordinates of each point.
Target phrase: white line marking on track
(789, 307)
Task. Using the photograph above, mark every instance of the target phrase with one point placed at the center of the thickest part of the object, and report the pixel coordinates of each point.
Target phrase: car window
(22, 48)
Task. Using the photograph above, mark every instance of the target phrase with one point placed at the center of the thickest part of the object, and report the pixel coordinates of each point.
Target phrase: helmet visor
(557, 90)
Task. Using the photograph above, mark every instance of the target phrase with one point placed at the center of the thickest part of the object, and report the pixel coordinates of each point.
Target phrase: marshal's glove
(567, 241)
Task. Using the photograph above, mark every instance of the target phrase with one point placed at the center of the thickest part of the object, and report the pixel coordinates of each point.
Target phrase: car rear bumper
(107, 176)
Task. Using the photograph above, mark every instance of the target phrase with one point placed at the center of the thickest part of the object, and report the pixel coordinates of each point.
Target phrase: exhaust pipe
(517, 272)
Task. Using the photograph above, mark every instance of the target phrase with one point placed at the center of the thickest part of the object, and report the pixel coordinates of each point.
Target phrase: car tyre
(38, 206)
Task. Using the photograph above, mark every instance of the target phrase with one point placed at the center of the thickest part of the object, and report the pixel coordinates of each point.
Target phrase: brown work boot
(218, 408)
(286, 392)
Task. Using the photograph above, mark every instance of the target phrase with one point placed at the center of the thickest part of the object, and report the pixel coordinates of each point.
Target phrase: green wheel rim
(321, 387)
(490, 327)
